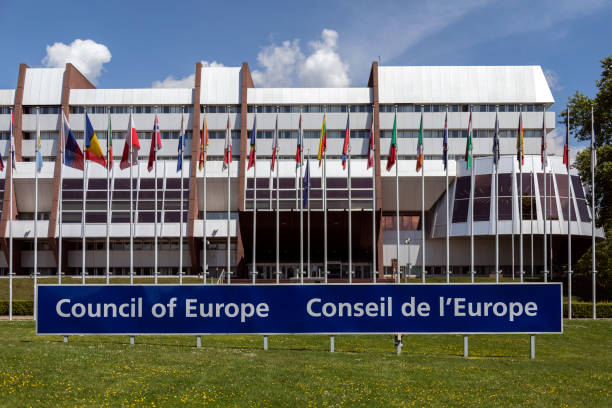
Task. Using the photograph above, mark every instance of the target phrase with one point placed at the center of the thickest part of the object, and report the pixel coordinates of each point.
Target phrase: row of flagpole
(92, 149)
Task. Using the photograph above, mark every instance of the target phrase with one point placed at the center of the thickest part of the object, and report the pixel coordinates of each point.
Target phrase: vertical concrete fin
(373, 83)
(194, 247)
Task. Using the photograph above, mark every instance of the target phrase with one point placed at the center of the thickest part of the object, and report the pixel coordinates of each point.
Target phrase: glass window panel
(286, 183)
(527, 183)
(463, 188)
(460, 210)
(482, 185)
(551, 208)
(335, 182)
(482, 208)
(529, 205)
(578, 190)
(561, 184)
(505, 184)
(583, 211)
(549, 184)
(505, 208)
(564, 208)
(95, 217)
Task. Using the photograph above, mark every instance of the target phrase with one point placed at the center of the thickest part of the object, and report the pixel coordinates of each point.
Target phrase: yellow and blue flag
(93, 150)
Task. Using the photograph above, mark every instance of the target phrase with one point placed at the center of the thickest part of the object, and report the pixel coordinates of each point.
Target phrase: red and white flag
(130, 158)
(155, 144)
(371, 146)
(274, 144)
(227, 157)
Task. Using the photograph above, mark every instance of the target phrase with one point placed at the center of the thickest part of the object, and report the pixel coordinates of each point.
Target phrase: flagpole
(108, 203)
(397, 233)
(229, 163)
(350, 221)
(447, 212)
(84, 197)
(569, 225)
(423, 259)
(254, 266)
(472, 204)
(12, 159)
(61, 194)
(36, 210)
(593, 266)
(496, 159)
(301, 139)
(204, 236)
(181, 144)
(324, 184)
(531, 216)
(130, 137)
(545, 217)
(155, 130)
(374, 204)
(520, 211)
(308, 210)
(278, 271)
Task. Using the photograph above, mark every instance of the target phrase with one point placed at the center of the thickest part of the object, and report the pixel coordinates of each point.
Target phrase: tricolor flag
(155, 144)
(543, 143)
(93, 150)
(307, 183)
(39, 160)
(253, 138)
(130, 158)
(566, 146)
(345, 147)
(181, 145)
(109, 143)
(227, 155)
(419, 162)
(520, 147)
(73, 156)
(496, 141)
(274, 144)
(371, 146)
(393, 149)
(322, 141)
(445, 142)
(298, 153)
(203, 144)
(468, 144)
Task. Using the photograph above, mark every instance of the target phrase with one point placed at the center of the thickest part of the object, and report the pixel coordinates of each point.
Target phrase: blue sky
(313, 43)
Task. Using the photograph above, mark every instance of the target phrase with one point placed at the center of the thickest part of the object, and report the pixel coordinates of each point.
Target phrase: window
(505, 196)
(550, 200)
(580, 199)
(462, 199)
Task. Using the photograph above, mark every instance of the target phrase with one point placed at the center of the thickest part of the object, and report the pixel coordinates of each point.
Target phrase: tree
(580, 125)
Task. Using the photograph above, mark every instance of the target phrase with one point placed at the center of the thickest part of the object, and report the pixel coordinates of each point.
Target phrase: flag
(419, 163)
(520, 148)
(39, 160)
(203, 144)
(496, 141)
(274, 144)
(371, 146)
(306, 183)
(566, 146)
(468, 144)
(130, 158)
(227, 155)
(93, 150)
(155, 144)
(322, 141)
(393, 149)
(543, 144)
(181, 145)
(593, 148)
(109, 143)
(345, 147)
(253, 137)
(73, 156)
(445, 142)
(298, 153)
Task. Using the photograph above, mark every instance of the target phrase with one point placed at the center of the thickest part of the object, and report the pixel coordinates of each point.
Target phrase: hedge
(579, 309)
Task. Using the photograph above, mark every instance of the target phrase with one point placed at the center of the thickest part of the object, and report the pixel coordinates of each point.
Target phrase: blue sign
(299, 309)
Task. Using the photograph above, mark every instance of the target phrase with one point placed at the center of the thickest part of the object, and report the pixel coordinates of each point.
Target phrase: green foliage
(20, 307)
(584, 310)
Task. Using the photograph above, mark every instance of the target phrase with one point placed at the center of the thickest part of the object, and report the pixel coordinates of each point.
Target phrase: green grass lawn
(572, 369)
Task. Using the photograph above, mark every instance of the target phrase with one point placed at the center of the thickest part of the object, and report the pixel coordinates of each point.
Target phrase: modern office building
(227, 94)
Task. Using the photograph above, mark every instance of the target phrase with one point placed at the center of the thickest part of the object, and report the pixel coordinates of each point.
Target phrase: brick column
(194, 245)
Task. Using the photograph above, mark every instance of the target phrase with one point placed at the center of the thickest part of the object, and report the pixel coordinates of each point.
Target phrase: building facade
(223, 95)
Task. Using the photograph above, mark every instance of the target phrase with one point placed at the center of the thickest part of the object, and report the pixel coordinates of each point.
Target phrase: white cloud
(555, 143)
(279, 63)
(324, 67)
(285, 64)
(186, 82)
(553, 80)
(87, 56)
